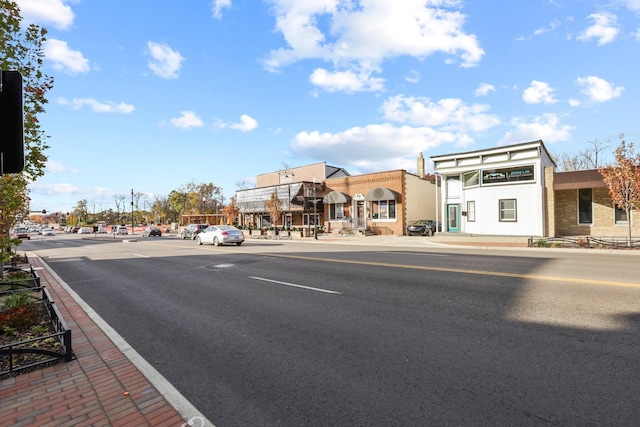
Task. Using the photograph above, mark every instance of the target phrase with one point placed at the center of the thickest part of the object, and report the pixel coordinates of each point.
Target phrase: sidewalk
(102, 387)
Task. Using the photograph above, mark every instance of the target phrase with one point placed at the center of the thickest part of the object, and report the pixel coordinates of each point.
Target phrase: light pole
(315, 213)
(204, 208)
(132, 219)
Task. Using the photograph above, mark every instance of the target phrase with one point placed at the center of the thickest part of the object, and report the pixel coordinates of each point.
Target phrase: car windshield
(420, 222)
(226, 227)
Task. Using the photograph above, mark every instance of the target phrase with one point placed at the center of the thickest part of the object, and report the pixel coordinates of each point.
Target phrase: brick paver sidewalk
(102, 387)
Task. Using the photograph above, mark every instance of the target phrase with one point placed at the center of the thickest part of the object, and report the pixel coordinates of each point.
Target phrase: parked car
(21, 233)
(151, 231)
(423, 227)
(85, 230)
(48, 232)
(121, 229)
(217, 235)
(192, 230)
(101, 229)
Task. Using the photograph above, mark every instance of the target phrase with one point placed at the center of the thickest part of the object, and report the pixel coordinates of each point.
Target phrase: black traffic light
(44, 211)
(11, 122)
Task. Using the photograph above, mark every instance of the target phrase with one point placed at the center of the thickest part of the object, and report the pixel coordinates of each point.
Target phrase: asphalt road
(290, 333)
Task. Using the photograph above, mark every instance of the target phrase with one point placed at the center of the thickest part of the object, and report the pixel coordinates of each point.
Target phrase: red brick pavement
(102, 387)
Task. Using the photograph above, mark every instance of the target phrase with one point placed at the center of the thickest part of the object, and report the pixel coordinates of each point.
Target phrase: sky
(150, 95)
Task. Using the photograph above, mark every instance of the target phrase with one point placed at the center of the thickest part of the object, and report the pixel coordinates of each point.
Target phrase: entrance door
(360, 223)
(453, 218)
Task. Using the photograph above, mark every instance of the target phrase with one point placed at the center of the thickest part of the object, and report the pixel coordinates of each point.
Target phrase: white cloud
(65, 59)
(97, 107)
(360, 37)
(218, 6)
(633, 5)
(484, 89)
(597, 89)
(187, 120)
(538, 93)
(165, 62)
(413, 76)
(605, 28)
(374, 147)
(546, 127)
(54, 188)
(54, 12)
(347, 81)
(450, 114)
(56, 167)
(552, 26)
(247, 124)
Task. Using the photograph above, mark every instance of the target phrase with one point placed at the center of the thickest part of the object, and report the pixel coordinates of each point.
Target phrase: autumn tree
(274, 208)
(21, 50)
(231, 211)
(623, 179)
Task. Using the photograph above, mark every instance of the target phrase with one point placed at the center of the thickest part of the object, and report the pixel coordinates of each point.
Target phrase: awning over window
(336, 197)
(381, 193)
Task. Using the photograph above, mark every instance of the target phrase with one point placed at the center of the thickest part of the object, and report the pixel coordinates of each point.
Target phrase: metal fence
(9, 352)
(586, 242)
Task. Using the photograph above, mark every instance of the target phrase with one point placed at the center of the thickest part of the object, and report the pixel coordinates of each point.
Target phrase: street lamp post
(315, 211)
(132, 219)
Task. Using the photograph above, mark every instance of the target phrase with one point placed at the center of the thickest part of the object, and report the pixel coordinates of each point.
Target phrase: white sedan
(220, 234)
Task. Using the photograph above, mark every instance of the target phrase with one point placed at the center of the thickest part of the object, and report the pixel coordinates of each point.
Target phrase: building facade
(499, 191)
(583, 207)
(382, 203)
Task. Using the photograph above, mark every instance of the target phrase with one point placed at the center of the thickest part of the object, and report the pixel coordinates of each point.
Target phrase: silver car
(217, 235)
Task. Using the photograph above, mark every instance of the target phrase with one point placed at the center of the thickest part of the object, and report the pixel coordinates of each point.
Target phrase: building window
(307, 219)
(383, 209)
(471, 179)
(508, 210)
(471, 211)
(621, 216)
(585, 206)
(336, 211)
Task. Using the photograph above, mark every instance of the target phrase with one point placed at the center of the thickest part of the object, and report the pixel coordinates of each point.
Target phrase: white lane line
(294, 285)
(141, 256)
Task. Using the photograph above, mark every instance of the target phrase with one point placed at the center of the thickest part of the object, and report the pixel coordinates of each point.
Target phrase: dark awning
(336, 197)
(381, 193)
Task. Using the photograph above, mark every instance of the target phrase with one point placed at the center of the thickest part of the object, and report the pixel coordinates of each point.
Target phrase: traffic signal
(44, 211)
(11, 122)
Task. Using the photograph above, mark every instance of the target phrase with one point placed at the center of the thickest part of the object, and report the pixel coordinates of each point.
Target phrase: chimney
(421, 166)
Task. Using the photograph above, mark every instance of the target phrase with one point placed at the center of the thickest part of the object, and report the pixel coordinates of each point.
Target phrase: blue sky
(152, 94)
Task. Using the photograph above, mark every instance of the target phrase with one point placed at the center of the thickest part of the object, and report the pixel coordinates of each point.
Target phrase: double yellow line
(463, 271)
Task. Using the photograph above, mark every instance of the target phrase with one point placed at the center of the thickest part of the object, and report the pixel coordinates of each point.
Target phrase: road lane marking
(459, 270)
(141, 256)
(294, 285)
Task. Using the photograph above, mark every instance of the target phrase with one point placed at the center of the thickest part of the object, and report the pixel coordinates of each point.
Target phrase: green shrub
(19, 299)
(541, 243)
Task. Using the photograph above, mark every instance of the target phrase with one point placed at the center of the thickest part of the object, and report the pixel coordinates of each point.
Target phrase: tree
(22, 51)
(623, 179)
(589, 158)
(274, 208)
(231, 211)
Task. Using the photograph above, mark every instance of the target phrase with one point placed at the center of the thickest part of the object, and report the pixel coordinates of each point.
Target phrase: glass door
(453, 218)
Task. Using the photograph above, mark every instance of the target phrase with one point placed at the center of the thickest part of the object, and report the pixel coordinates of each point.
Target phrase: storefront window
(621, 216)
(471, 211)
(585, 206)
(336, 211)
(383, 209)
(508, 210)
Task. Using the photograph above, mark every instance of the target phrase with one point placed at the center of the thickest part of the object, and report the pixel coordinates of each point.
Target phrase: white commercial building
(498, 191)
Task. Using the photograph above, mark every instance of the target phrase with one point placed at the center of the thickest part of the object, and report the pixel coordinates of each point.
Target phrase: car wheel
(199, 240)
(429, 232)
(216, 242)
(238, 243)
(183, 236)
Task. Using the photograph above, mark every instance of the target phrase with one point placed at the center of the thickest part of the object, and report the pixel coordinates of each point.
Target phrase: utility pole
(315, 211)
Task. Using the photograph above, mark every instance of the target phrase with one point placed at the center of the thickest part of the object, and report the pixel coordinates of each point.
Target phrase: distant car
(192, 230)
(48, 232)
(102, 229)
(74, 229)
(121, 229)
(21, 233)
(217, 235)
(423, 227)
(151, 231)
(85, 230)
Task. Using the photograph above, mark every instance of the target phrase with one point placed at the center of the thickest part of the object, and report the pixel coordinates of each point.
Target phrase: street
(314, 333)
